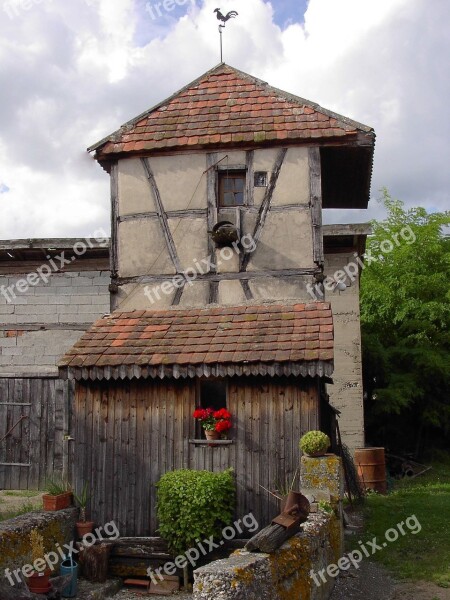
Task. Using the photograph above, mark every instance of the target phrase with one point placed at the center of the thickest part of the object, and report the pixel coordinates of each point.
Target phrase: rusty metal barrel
(371, 465)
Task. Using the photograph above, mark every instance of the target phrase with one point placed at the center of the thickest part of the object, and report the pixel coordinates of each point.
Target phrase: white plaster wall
(142, 249)
(134, 196)
(285, 243)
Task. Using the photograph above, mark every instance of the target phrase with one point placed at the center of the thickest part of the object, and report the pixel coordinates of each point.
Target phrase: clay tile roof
(226, 107)
(268, 339)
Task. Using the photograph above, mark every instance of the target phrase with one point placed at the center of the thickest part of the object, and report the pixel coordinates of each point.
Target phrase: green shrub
(314, 442)
(194, 505)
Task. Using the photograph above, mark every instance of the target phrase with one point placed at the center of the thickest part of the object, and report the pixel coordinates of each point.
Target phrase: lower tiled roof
(268, 339)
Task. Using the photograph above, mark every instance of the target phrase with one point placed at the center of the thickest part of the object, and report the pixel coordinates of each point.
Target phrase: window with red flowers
(212, 393)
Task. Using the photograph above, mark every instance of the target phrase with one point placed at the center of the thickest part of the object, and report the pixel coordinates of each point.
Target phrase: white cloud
(72, 72)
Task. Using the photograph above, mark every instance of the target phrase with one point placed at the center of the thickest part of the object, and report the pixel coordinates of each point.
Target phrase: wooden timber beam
(265, 206)
(142, 279)
(315, 195)
(211, 199)
(162, 216)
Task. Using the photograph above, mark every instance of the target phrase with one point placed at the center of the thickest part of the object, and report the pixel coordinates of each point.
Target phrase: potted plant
(38, 582)
(58, 496)
(214, 422)
(314, 443)
(83, 525)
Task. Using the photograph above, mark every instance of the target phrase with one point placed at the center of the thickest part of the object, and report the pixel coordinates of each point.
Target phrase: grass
(25, 508)
(22, 493)
(426, 555)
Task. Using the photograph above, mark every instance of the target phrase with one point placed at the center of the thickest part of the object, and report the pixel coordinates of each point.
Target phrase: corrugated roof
(268, 339)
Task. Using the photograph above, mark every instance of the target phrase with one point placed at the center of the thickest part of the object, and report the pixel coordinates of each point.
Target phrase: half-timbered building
(217, 196)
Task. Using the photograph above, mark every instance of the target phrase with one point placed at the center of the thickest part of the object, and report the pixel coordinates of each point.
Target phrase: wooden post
(95, 562)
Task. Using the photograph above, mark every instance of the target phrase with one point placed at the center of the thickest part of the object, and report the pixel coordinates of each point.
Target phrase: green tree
(405, 316)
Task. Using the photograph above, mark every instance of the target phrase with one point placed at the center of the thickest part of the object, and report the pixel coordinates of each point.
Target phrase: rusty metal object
(371, 466)
(296, 511)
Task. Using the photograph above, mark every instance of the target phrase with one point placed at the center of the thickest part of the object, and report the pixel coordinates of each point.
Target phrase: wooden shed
(140, 375)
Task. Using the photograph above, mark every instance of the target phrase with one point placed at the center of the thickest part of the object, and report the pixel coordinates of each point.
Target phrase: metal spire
(223, 18)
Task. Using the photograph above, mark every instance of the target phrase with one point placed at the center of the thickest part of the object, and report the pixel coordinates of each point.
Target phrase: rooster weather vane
(223, 18)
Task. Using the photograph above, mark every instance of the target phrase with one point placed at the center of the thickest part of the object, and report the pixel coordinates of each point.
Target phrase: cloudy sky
(72, 71)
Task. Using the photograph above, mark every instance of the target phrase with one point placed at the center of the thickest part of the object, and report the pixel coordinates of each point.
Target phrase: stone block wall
(286, 573)
(57, 528)
(346, 393)
(41, 324)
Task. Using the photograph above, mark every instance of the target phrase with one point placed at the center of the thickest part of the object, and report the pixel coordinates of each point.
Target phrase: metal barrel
(371, 465)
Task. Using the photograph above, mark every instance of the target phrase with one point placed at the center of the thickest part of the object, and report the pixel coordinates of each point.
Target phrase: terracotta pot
(57, 502)
(316, 454)
(212, 435)
(84, 527)
(38, 583)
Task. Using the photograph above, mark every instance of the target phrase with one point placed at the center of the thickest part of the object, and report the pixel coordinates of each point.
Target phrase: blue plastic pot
(69, 566)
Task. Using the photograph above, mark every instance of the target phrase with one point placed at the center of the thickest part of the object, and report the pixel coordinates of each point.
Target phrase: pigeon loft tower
(217, 254)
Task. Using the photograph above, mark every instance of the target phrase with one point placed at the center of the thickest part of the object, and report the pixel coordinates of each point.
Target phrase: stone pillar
(322, 480)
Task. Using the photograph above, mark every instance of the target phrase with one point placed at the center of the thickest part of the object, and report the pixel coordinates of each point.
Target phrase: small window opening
(212, 394)
(232, 188)
(261, 179)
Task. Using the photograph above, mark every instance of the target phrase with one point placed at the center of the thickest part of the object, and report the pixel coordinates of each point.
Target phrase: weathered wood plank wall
(127, 434)
(35, 449)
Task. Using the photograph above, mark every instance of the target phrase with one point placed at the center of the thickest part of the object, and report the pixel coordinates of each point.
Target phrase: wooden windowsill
(215, 442)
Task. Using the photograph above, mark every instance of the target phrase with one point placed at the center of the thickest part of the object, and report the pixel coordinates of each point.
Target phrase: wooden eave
(317, 368)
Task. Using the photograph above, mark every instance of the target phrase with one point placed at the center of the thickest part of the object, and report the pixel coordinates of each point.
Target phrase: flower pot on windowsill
(58, 502)
(38, 583)
(212, 434)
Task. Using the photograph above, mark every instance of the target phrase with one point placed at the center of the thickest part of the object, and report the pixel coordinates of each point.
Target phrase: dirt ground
(372, 582)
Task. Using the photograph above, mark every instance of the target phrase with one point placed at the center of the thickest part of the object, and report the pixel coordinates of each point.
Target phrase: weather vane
(223, 18)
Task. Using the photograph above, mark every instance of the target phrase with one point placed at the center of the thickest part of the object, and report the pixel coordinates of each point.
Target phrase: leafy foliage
(193, 505)
(405, 316)
(314, 442)
(57, 485)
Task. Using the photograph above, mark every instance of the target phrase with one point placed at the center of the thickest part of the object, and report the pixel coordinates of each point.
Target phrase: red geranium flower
(223, 425)
(199, 413)
(222, 414)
